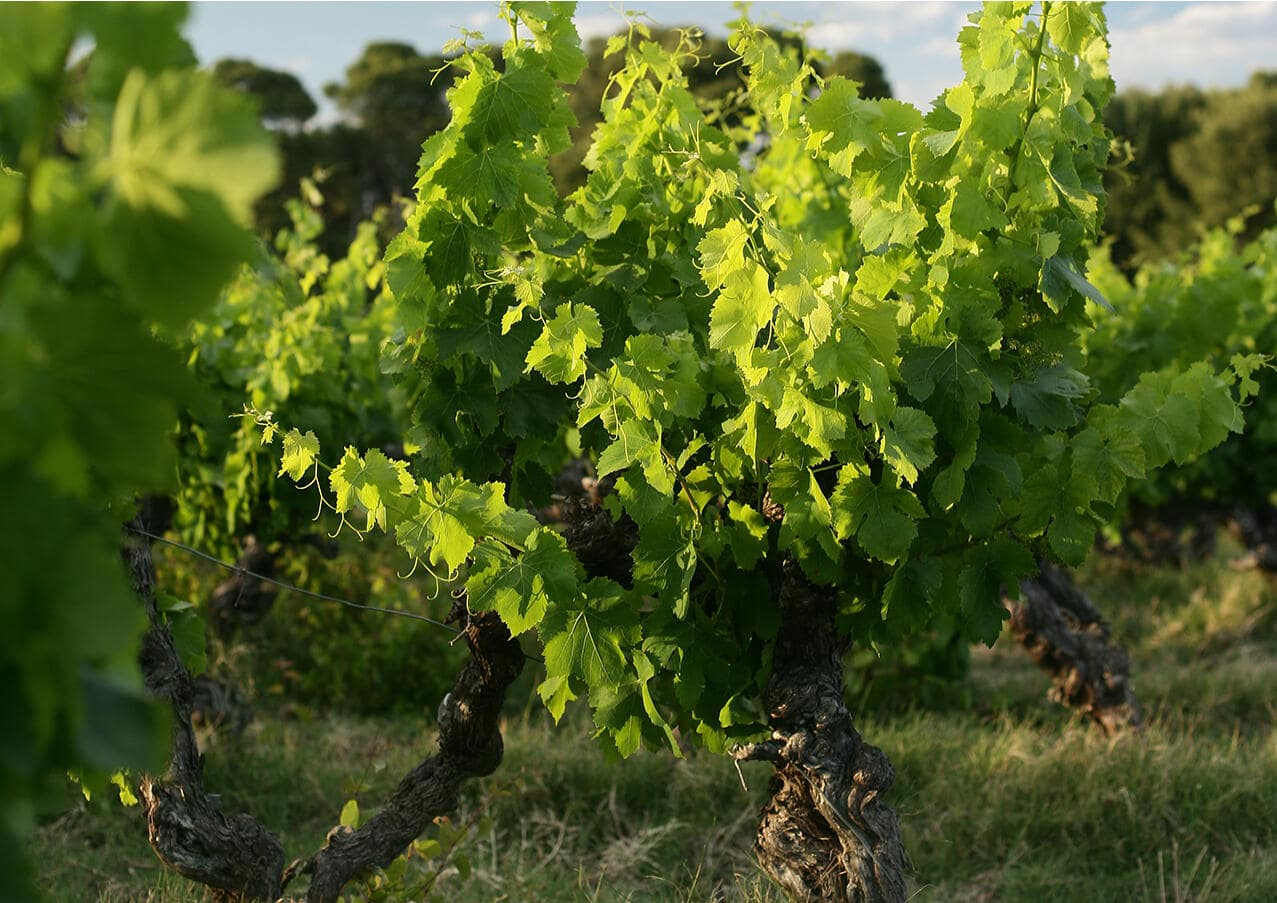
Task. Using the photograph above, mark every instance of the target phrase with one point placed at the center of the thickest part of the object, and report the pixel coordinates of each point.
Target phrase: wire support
(289, 586)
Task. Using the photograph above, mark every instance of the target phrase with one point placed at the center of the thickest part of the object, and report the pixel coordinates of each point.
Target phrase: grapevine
(852, 426)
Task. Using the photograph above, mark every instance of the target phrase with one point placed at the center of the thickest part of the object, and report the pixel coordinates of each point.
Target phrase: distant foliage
(1214, 303)
(1198, 159)
(299, 335)
(284, 102)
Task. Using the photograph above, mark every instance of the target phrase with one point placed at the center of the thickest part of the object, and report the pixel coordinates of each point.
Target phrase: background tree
(1196, 159)
(860, 68)
(286, 108)
(391, 100)
(285, 104)
(1229, 162)
(395, 97)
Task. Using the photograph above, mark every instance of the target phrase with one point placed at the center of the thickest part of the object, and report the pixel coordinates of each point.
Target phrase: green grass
(1008, 798)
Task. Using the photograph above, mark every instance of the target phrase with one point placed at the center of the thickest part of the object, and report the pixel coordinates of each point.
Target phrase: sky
(1209, 44)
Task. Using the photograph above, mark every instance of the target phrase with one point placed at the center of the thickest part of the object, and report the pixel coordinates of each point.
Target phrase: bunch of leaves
(1216, 303)
(125, 216)
(297, 334)
(714, 78)
(899, 405)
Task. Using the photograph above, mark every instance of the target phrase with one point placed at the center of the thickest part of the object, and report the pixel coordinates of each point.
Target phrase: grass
(1007, 798)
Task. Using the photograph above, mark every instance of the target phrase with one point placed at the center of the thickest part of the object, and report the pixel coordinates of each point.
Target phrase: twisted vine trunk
(826, 834)
(236, 855)
(1257, 528)
(1065, 634)
(470, 746)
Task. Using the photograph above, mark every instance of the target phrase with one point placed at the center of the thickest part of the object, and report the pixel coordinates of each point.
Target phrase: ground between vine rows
(1002, 797)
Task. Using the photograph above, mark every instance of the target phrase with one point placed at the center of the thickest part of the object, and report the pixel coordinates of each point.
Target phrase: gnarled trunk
(470, 746)
(1257, 528)
(1065, 634)
(236, 855)
(826, 834)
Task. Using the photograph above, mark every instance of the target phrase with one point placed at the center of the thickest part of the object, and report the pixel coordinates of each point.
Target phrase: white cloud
(862, 26)
(481, 19)
(1204, 43)
(599, 25)
(298, 65)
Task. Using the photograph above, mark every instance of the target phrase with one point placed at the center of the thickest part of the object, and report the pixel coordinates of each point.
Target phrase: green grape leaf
(743, 307)
(723, 253)
(909, 595)
(1109, 451)
(371, 481)
(1072, 26)
(815, 424)
(587, 636)
(182, 129)
(908, 444)
(556, 37)
(883, 518)
(1060, 275)
(488, 175)
(636, 443)
(300, 453)
(988, 571)
(558, 354)
(1047, 402)
(516, 104)
(523, 587)
(748, 536)
(665, 562)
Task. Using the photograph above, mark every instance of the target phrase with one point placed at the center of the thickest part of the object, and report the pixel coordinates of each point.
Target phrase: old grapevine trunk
(1065, 634)
(826, 834)
(1257, 528)
(242, 598)
(236, 855)
(470, 746)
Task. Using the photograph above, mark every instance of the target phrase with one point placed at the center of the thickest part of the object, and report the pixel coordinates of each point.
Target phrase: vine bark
(235, 855)
(827, 833)
(470, 746)
(1065, 634)
(241, 598)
